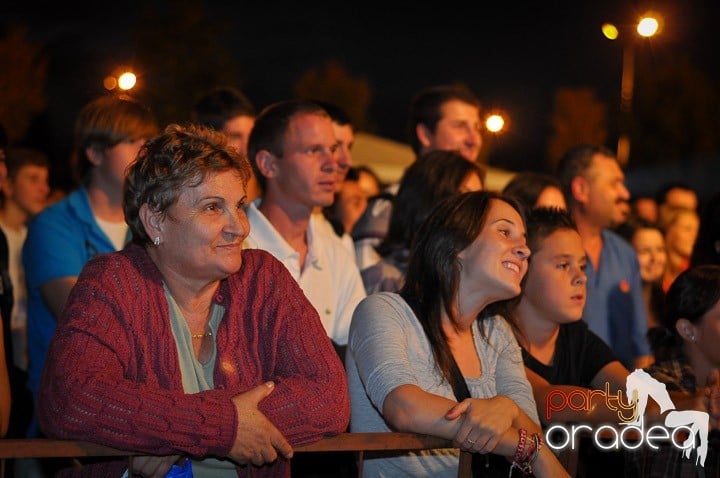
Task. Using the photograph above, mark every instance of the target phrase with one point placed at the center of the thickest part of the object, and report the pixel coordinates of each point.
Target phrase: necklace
(202, 336)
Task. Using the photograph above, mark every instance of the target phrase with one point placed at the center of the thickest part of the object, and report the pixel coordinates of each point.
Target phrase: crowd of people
(218, 291)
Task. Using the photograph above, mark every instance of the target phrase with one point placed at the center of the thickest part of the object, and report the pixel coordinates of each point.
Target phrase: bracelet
(524, 461)
(538, 444)
(520, 450)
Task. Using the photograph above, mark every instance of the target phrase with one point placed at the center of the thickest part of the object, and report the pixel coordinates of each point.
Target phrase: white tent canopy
(390, 158)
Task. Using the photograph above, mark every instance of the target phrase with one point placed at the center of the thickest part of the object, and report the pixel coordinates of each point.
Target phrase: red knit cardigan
(112, 374)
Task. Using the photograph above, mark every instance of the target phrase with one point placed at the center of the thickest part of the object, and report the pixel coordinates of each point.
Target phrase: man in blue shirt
(594, 188)
(109, 132)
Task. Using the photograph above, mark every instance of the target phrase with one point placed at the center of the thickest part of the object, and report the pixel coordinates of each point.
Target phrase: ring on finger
(471, 442)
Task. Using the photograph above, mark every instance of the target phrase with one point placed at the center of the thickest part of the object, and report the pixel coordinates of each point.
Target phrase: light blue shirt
(389, 348)
(615, 310)
(60, 241)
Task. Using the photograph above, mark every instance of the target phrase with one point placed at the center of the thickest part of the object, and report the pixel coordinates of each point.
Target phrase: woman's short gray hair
(178, 158)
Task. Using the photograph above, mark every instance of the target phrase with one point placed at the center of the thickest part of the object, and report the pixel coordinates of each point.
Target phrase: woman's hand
(484, 421)
(153, 466)
(257, 441)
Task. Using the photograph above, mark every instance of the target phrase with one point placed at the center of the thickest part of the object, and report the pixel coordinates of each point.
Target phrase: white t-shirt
(330, 279)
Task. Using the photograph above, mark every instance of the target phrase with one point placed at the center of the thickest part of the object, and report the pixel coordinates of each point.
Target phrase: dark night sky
(513, 56)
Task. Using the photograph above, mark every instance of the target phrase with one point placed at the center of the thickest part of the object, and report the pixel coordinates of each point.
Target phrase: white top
(331, 280)
(323, 226)
(115, 231)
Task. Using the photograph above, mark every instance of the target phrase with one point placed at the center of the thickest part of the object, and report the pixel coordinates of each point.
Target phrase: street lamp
(124, 80)
(647, 26)
(495, 123)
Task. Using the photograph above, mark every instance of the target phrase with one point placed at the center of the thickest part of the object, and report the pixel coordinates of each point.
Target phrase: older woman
(183, 343)
(421, 361)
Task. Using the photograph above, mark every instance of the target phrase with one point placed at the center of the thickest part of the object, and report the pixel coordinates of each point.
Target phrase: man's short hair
(425, 108)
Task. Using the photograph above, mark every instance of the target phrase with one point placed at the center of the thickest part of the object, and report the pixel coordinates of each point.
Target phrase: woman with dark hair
(687, 359)
(533, 190)
(427, 360)
(648, 241)
(430, 179)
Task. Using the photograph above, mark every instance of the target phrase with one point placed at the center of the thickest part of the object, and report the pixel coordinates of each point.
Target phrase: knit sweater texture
(112, 374)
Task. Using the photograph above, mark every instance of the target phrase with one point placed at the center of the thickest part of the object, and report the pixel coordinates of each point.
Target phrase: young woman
(649, 242)
(687, 359)
(410, 353)
(430, 179)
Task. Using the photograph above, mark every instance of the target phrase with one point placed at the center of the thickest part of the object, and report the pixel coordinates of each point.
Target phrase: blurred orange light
(494, 123)
(110, 83)
(127, 80)
(648, 26)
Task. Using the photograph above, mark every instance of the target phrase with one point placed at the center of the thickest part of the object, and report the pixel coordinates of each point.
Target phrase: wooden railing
(355, 442)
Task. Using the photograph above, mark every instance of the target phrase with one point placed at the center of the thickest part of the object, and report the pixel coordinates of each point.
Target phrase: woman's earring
(156, 241)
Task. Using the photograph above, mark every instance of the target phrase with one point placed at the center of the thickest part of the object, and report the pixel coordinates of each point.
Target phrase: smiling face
(495, 263)
(458, 130)
(555, 287)
(650, 247)
(680, 235)
(201, 235)
(605, 197)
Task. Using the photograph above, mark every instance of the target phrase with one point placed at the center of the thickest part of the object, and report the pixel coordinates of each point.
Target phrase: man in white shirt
(292, 148)
(345, 136)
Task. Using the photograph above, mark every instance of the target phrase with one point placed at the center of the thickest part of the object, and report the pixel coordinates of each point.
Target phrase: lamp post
(646, 27)
(495, 123)
(123, 80)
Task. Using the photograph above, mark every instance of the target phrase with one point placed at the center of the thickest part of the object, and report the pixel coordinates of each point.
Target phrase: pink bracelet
(520, 450)
(525, 463)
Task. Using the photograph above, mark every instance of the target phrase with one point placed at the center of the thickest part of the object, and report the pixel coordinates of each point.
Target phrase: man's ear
(424, 135)
(266, 163)
(580, 189)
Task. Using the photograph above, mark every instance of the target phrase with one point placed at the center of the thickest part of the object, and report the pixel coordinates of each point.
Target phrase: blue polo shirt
(60, 240)
(615, 310)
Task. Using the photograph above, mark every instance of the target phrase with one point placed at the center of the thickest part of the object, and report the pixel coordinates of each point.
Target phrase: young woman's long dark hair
(695, 291)
(433, 275)
(430, 179)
